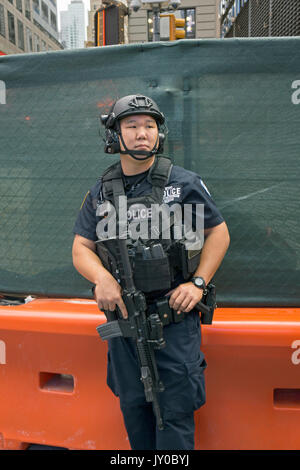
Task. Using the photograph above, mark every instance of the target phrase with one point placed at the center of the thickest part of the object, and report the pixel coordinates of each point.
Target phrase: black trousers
(181, 367)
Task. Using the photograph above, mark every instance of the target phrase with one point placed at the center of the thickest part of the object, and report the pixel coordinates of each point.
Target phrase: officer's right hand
(107, 294)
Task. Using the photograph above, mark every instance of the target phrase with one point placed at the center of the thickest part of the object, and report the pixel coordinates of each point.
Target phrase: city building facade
(201, 21)
(72, 22)
(28, 26)
(259, 18)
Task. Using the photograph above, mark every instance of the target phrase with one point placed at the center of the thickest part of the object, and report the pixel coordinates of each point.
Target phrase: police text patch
(172, 193)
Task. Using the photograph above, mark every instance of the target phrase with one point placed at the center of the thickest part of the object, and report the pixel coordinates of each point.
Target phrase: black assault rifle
(147, 331)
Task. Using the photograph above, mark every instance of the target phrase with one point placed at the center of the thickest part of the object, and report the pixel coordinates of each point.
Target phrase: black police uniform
(180, 364)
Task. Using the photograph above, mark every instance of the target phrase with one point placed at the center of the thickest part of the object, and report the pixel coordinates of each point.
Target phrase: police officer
(135, 129)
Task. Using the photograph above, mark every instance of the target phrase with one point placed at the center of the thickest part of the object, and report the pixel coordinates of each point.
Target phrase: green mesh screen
(233, 112)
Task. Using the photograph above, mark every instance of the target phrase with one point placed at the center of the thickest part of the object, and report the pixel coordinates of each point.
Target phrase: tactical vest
(155, 262)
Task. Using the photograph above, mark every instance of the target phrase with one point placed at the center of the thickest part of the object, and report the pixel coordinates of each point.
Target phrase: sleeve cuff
(85, 234)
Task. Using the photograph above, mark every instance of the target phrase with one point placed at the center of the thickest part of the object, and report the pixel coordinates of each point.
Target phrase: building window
(11, 27)
(188, 14)
(2, 21)
(36, 6)
(37, 43)
(11, 1)
(19, 5)
(27, 9)
(190, 23)
(21, 43)
(53, 20)
(29, 40)
(44, 11)
(44, 48)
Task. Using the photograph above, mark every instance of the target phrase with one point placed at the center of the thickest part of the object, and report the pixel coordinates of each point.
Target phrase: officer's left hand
(185, 297)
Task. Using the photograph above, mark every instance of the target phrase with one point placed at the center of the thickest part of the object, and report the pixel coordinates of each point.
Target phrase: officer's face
(139, 132)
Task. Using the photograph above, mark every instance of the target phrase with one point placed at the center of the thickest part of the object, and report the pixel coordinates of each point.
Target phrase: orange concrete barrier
(252, 380)
(53, 379)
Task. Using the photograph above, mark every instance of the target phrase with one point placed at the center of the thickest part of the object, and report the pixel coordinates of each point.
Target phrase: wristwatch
(199, 282)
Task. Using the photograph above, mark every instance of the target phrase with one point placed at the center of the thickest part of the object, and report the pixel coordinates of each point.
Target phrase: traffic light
(109, 24)
(175, 23)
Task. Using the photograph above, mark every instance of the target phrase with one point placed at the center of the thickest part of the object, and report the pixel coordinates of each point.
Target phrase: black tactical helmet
(130, 105)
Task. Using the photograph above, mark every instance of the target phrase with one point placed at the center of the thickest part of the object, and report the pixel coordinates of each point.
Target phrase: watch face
(198, 282)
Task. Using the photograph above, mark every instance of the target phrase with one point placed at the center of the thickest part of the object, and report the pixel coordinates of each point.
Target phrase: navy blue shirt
(183, 187)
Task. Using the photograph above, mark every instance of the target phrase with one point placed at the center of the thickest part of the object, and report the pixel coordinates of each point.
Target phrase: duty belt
(168, 315)
(159, 314)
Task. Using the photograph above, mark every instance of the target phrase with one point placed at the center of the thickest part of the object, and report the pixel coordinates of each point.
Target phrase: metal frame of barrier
(53, 379)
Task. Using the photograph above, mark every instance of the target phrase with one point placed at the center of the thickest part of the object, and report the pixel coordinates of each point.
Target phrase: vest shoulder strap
(160, 172)
(112, 182)
(112, 178)
(112, 172)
